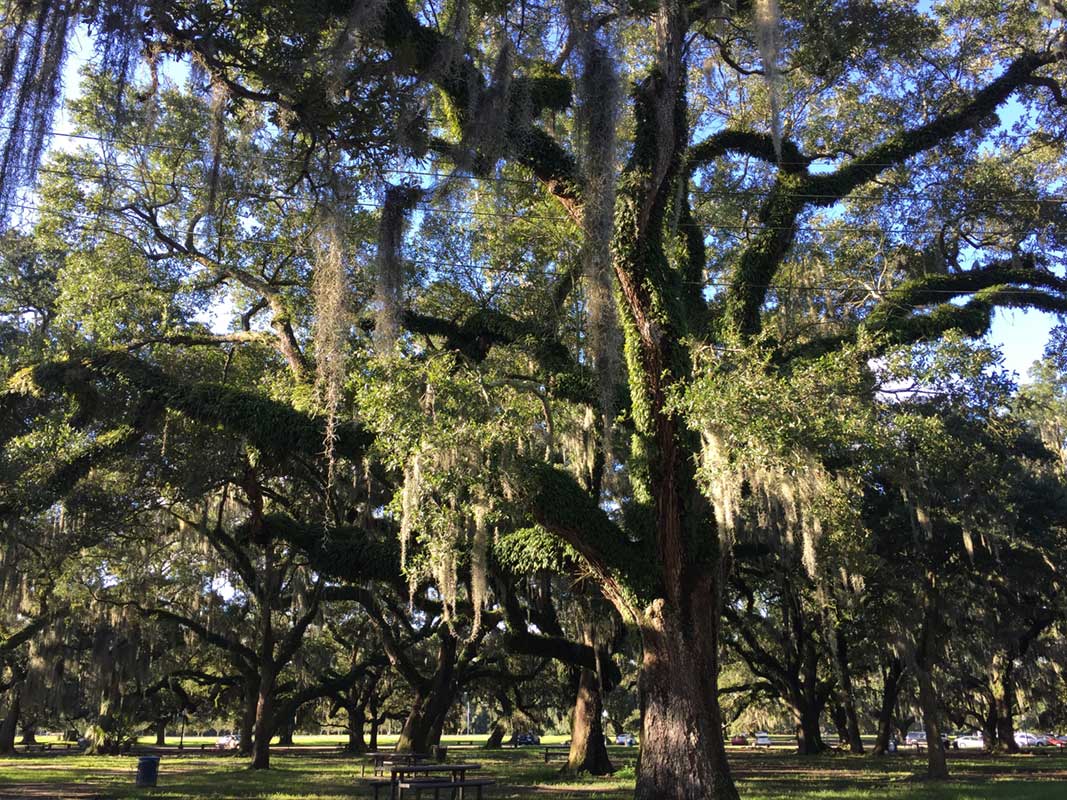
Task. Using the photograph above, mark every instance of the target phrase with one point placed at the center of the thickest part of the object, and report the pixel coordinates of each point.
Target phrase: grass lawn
(319, 774)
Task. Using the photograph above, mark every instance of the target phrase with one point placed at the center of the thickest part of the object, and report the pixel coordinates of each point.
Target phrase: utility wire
(899, 229)
(520, 181)
(528, 271)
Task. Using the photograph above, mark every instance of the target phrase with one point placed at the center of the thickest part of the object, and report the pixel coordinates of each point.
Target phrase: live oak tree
(737, 135)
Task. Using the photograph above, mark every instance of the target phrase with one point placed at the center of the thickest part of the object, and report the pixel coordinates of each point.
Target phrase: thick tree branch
(561, 506)
(795, 191)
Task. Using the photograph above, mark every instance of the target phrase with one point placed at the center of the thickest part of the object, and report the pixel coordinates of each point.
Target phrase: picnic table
(42, 747)
(419, 778)
(557, 750)
(382, 757)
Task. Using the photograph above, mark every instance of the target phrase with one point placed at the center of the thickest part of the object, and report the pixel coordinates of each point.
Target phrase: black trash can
(147, 770)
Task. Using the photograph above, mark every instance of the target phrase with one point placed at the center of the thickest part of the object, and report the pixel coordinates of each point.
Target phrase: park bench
(42, 747)
(457, 789)
(557, 751)
(377, 784)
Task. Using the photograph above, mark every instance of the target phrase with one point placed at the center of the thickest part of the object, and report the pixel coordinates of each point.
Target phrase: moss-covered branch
(796, 190)
(921, 309)
(827, 189)
(429, 54)
(269, 425)
(749, 143)
(348, 554)
(561, 506)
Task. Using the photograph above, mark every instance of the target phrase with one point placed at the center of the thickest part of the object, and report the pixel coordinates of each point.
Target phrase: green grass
(319, 774)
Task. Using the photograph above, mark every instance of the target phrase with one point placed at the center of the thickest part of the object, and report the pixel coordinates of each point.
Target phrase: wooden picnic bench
(42, 747)
(419, 777)
(456, 789)
(557, 751)
(380, 759)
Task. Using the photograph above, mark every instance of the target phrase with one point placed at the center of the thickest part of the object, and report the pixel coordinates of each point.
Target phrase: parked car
(971, 741)
(763, 739)
(1026, 739)
(1057, 739)
(740, 740)
(526, 737)
(626, 739)
(918, 739)
(228, 742)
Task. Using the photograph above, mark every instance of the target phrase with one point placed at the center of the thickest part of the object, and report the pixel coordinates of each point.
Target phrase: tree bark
(29, 733)
(375, 719)
(161, 733)
(264, 725)
(357, 743)
(248, 717)
(588, 752)
(937, 764)
(496, 736)
(286, 728)
(426, 720)
(682, 752)
(848, 696)
(989, 726)
(356, 710)
(1002, 681)
(10, 723)
(809, 737)
(891, 680)
(840, 720)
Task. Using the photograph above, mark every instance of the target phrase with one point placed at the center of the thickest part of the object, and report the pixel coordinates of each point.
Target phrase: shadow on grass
(322, 774)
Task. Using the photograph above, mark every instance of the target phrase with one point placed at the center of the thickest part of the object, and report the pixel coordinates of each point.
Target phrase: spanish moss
(331, 328)
(767, 21)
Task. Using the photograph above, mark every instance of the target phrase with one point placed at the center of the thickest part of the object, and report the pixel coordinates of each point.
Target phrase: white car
(971, 741)
(763, 739)
(1026, 739)
(228, 742)
(626, 739)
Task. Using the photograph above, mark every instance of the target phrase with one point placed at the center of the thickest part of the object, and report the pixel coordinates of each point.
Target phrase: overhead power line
(437, 175)
(527, 271)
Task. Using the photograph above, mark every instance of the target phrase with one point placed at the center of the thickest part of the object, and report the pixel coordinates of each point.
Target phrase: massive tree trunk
(161, 733)
(426, 720)
(682, 752)
(357, 743)
(588, 750)
(891, 681)
(355, 705)
(9, 725)
(809, 737)
(1002, 681)
(989, 726)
